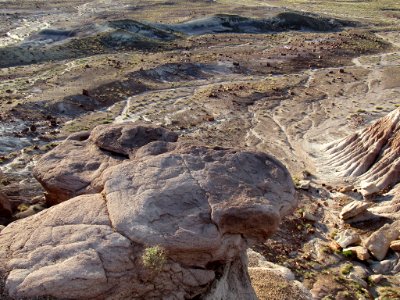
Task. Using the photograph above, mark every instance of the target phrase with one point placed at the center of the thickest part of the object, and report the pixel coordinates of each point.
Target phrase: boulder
(263, 272)
(353, 209)
(169, 221)
(379, 241)
(256, 260)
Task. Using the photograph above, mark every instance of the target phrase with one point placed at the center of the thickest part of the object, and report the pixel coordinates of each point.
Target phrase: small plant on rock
(154, 258)
(346, 269)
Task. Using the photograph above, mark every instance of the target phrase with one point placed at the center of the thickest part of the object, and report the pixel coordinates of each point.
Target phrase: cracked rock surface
(203, 206)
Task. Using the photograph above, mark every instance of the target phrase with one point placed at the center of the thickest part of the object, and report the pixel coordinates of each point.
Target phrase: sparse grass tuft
(154, 258)
(346, 269)
(348, 253)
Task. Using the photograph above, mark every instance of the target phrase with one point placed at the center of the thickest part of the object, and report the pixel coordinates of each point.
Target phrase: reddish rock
(202, 206)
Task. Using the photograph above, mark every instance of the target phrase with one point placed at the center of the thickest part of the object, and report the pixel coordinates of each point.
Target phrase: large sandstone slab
(203, 206)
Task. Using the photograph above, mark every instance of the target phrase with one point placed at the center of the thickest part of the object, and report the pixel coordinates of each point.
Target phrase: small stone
(360, 251)
(304, 185)
(347, 238)
(369, 189)
(309, 217)
(395, 245)
(353, 209)
(334, 246)
(365, 216)
(346, 189)
(375, 278)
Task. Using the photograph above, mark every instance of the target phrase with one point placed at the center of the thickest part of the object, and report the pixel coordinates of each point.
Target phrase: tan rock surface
(378, 243)
(76, 166)
(395, 245)
(347, 238)
(360, 251)
(353, 209)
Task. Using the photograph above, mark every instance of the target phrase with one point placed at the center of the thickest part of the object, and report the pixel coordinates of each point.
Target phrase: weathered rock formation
(76, 167)
(371, 156)
(203, 206)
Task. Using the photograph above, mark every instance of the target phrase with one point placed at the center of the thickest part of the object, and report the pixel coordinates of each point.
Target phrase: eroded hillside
(307, 82)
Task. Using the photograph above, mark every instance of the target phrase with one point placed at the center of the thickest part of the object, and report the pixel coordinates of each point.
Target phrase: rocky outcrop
(202, 206)
(76, 166)
(371, 156)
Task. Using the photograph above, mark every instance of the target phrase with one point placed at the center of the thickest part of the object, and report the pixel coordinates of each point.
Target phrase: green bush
(154, 257)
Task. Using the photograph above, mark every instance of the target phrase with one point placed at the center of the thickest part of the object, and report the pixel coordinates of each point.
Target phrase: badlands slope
(316, 85)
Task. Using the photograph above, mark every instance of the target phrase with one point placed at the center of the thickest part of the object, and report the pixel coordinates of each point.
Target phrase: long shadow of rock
(105, 95)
